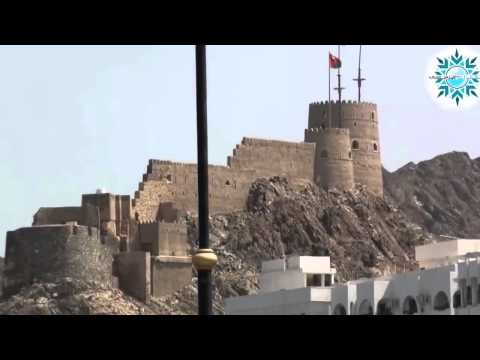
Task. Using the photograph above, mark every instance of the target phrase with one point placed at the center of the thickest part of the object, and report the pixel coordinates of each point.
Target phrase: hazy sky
(77, 118)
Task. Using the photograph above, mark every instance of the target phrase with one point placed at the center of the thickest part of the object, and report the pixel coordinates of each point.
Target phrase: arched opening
(324, 154)
(372, 115)
(409, 306)
(365, 308)
(227, 183)
(384, 307)
(354, 123)
(169, 178)
(440, 302)
(340, 310)
(457, 299)
(375, 147)
(355, 145)
(349, 154)
(469, 295)
(323, 126)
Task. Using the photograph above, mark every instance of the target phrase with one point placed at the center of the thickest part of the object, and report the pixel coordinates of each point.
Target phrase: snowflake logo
(456, 77)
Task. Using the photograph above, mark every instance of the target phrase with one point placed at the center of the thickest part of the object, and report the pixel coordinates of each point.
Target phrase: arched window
(365, 308)
(227, 183)
(323, 126)
(355, 145)
(469, 295)
(340, 310)
(384, 307)
(373, 116)
(409, 306)
(440, 302)
(457, 299)
(478, 294)
(375, 147)
(324, 154)
(169, 178)
(354, 123)
(349, 154)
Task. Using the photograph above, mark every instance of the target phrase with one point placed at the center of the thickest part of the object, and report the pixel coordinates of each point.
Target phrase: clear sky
(77, 118)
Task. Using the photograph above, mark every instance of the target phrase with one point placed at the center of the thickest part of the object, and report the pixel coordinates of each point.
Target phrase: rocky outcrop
(363, 235)
(442, 194)
(1, 275)
(69, 296)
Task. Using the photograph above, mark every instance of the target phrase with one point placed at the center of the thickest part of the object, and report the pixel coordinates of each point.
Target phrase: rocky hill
(442, 194)
(363, 235)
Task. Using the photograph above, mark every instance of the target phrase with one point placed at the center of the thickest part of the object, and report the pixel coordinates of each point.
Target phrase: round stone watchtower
(333, 157)
(361, 119)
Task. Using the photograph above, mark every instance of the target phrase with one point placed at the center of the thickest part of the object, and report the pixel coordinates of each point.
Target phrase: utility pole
(204, 259)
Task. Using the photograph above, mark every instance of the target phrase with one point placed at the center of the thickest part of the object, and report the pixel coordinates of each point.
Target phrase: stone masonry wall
(167, 181)
(333, 158)
(59, 215)
(46, 253)
(163, 239)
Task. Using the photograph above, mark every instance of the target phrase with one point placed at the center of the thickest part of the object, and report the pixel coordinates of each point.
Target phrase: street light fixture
(204, 259)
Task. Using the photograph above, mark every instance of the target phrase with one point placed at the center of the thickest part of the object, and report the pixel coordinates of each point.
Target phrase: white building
(446, 284)
(293, 286)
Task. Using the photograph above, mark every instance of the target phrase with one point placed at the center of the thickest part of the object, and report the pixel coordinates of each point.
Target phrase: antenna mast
(359, 79)
(339, 89)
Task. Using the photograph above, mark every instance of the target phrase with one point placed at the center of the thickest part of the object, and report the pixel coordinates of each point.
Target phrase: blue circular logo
(456, 77)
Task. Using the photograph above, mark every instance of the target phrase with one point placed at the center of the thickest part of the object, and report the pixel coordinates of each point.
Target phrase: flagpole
(329, 93)
(339, 92)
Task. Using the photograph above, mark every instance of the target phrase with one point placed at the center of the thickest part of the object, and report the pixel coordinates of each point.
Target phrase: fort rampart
(228, 185)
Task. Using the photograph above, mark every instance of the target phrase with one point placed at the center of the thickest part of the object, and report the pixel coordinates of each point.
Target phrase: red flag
(335, 63)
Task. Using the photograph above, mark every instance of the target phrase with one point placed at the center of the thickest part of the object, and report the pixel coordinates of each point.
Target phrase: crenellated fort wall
(167, 181)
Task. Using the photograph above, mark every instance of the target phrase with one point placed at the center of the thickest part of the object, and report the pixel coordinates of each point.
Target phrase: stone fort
(337, 156)
(141, 246)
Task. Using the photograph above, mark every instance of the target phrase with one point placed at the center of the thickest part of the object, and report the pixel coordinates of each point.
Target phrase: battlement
(161, 222)
(327, 131)
(157, 164)
(272, 143)
(318, 135)
(346, 102)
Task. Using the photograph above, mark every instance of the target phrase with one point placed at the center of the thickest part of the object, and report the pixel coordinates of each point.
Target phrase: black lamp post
(204, 259)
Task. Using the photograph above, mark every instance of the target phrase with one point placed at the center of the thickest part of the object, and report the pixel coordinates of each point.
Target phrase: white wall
(286, 302)
(310, 264)
(443, 253)
(275, 281)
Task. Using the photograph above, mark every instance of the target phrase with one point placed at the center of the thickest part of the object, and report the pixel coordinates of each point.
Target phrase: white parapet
(311, 301)
(445, 253)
